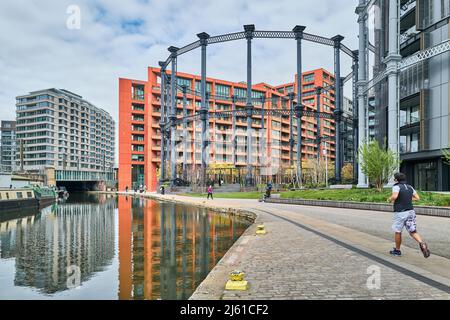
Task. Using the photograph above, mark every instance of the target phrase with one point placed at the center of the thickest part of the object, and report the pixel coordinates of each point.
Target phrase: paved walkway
(326, 253)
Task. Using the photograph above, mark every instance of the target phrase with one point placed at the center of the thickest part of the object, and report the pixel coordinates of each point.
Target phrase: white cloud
(121, 38)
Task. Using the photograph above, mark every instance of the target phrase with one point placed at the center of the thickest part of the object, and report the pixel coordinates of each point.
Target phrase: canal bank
(123, 248)
(305, 255)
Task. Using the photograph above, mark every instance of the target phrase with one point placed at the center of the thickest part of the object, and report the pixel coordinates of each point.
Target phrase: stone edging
(421, 210)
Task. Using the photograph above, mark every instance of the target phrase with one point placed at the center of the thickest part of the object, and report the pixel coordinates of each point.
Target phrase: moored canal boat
(26, 198)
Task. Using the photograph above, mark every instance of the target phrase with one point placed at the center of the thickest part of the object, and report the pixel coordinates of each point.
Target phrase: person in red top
(210, 192)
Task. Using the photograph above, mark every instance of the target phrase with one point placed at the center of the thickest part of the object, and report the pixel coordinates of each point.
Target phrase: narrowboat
(26, 198)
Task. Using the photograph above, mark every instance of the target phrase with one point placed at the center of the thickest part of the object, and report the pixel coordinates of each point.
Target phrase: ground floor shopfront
(427, 171)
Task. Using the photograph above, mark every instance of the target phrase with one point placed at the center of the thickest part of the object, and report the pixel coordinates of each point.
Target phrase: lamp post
(325, 152)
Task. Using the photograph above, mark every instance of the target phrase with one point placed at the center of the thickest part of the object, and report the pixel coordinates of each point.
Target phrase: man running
(403, 195)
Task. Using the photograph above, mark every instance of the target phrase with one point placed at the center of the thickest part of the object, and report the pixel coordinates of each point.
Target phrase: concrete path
(327, 253)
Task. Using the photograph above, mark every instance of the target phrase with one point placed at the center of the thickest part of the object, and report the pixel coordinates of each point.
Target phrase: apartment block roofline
(67, 93)
(242, 84)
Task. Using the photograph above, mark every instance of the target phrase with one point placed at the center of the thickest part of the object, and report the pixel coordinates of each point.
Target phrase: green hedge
(365, 195)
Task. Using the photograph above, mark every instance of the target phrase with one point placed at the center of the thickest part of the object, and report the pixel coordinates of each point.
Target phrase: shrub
(378, 164)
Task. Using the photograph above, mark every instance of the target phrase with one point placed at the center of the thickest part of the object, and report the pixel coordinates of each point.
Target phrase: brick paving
(291, 263)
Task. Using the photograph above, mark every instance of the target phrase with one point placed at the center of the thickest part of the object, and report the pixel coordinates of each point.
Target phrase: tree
(314, 174)
(446, 155)
(347, 172)
(378, 163)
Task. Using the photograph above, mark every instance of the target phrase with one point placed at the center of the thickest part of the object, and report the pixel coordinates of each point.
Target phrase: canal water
(108, 247)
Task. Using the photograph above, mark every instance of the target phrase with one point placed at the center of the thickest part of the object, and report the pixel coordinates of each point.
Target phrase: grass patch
(228, 195)
(356, 195)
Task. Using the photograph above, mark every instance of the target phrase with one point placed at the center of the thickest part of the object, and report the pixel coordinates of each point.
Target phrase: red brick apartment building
(140, 136)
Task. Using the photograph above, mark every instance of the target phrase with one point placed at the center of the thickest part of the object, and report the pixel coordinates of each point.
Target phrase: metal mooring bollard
(236, 282)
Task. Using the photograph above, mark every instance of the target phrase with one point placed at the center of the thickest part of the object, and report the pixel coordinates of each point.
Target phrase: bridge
(75, 180)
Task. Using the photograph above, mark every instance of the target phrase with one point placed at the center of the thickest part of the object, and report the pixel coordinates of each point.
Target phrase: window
(240, 92)
(137, 92)
(29, 195)
(184, 82)
(258, 95)
(137, 157)
(414, 142)
(414, 115)
(138, 117)
(222, 90)
(309, 101)
(409, 116)
(222, 107)
(137, 127)
(19, 195)
(138, 148)
(308, 78)
(409, 143)
(198, 86)
(138, 107)
(137, 137)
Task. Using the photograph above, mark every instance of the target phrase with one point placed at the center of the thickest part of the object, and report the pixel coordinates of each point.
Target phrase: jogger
(405, 217)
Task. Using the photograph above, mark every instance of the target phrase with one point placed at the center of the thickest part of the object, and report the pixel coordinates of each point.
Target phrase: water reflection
(148, 250)
(59, 237)
(166, 250)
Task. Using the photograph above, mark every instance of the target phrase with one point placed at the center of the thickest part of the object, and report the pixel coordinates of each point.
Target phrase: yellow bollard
(261, 229)
(236, 282)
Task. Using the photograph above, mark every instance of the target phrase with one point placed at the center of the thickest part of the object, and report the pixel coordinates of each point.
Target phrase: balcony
(407, 7)
(138, 97)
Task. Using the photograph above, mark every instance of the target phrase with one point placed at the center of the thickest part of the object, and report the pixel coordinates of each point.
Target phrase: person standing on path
(210, 192)
(404, 215)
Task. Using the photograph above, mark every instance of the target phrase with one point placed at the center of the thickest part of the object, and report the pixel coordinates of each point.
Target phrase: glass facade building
(423, 87)
(60, 129)
(7, 146)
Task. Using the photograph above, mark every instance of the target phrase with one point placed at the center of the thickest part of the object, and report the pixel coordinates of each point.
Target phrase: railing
(407, 7)
(408, 34)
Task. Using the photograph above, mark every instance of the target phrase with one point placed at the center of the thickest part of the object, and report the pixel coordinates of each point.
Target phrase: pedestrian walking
(269, 187)
(163, 189)
(210, 192)
(126, 189)
(403, 196)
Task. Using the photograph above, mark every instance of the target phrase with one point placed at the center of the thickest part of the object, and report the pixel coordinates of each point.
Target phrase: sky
(43, 45)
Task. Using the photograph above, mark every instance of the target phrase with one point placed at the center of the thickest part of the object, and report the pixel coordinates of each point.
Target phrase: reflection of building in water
(71, 234)
(166, 250)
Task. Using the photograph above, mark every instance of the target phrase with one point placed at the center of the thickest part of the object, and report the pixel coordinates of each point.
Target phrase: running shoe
(424, 248)
(395, 252)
